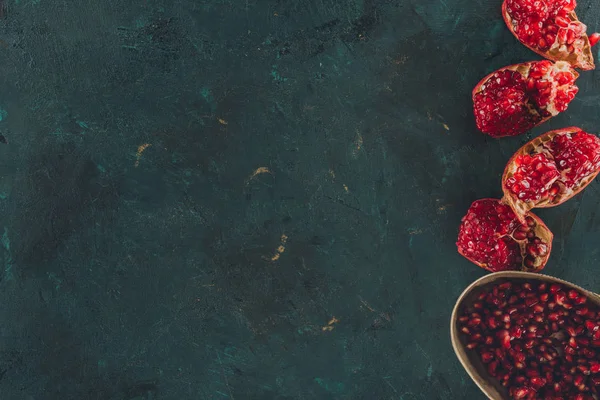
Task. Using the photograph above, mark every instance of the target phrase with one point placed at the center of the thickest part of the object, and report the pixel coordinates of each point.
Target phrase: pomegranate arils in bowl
(551, 28)
(529, 336)
(516, 98)
(550, 169)
(491, 236)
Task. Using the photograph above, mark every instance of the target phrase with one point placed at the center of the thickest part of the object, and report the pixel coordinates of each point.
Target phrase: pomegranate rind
(520, 207)
(523, 69)
(583, 61)
(540, 230)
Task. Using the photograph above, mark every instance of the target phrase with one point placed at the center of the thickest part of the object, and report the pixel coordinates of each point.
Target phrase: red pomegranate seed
(538, 382)
(520, 393)
(487, 357)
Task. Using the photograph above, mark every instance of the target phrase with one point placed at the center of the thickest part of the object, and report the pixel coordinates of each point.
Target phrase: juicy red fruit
(533, 178)
(551, 28)
(577, 155)
(551, 169)
(530, 338)
(491, 236)
(516, 98)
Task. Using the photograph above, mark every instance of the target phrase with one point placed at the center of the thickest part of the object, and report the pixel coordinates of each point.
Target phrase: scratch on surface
(332, 174)
(140, 151)
(415, 231)
(358, 143)
(281, 249)
(258, 171)
(224, 375)
(329, 327)
(385, 379)
(446, 127)
(367, 305)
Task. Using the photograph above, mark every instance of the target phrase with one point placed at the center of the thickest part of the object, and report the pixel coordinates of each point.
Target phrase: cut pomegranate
(551, 28)
(552, 363)
(550, 170)
(492, 237)
(516, 98)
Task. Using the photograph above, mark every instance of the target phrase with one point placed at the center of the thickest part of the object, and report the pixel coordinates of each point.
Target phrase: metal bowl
(469, 358)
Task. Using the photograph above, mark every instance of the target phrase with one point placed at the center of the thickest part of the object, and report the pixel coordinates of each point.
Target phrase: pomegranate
(492, 237)
(538, 340)
(551, 29)
(516, 98)
(550, 169)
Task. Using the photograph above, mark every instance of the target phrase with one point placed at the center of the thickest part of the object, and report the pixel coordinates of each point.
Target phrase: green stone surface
(251, 199)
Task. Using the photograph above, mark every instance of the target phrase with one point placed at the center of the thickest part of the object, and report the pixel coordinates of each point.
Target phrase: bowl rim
(460, 351)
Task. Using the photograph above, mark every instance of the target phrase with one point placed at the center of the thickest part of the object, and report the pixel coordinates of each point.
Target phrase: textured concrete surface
(248, 199)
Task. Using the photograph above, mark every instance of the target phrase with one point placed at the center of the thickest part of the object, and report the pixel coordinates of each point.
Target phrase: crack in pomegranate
(551, 28)
(491, 236)
(539, 340)
(550, 169)
(516, 98)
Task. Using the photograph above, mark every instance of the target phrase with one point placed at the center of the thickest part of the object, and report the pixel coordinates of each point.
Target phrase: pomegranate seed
(571, 330)
(580, 300)
(594, 38)
(487, 357)
(553, 317)
(504, 338)
(537, 382)
(492, 367)
(492, 323)
(582, 311)
(520, 393)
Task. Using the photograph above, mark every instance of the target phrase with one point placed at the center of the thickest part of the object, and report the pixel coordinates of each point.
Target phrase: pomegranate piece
(558, 363)
(516, 98)
(492, 237)
(550, 170)
(551, 29)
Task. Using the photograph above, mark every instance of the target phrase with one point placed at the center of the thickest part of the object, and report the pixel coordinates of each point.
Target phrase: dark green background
(156, 281)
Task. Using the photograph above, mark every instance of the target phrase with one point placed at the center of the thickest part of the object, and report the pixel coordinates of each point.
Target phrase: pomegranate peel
(516, 98)
(550, 169)
(492, 237)
(551, 29)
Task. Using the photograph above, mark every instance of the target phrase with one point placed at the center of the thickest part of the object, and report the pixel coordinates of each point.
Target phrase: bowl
(469, 358)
